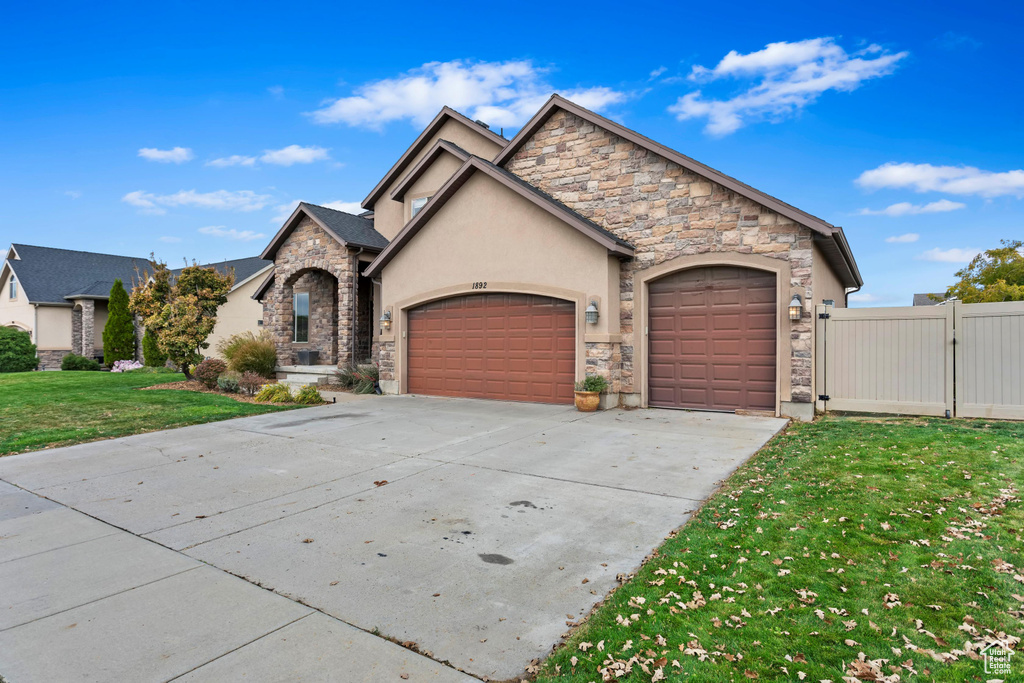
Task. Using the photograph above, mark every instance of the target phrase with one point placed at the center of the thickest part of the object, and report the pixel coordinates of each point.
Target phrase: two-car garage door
(514, 347)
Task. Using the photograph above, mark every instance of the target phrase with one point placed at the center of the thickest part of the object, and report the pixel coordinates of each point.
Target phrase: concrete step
(302, 378)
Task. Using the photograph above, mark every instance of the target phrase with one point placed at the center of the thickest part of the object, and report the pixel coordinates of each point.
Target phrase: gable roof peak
(348, 229)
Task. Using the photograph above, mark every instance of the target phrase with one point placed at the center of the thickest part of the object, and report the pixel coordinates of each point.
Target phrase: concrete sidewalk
(286, 540)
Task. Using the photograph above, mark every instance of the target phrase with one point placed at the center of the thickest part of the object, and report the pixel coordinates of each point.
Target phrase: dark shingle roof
(927, 300)
(356, 231)
(245, 268)
(51, 275)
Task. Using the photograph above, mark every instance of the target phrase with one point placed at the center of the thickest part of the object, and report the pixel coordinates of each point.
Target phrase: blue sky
(189, 130)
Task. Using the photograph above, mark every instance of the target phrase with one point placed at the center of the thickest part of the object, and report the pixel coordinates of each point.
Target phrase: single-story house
(241, 313)
(59, 296)
(929, 299)
(509, 269)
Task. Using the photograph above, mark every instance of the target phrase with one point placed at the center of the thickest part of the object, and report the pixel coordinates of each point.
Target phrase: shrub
(75, 362)
(592, 383)
(151, 353)
(251, 382)
(119, 332)
(309, 395)
(229, 382)
(125, 366)
(208, 371)
(275, 393)
(247, 352)
(17, 352)
(361, 379)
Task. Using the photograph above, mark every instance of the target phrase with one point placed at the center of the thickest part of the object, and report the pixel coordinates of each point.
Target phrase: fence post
(953, 357)
(821, 313)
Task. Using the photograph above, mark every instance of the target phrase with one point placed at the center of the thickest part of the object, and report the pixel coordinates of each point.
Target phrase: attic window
(13, 287)
(418, 204)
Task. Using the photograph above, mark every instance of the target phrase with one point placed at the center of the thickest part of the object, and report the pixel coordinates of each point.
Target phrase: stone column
(88, 327)
(346, 301)
(76, 330)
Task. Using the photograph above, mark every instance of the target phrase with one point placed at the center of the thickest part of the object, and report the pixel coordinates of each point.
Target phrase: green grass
(47, 409)
(831, 517)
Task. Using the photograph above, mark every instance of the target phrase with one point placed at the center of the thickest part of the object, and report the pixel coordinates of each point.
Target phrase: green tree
(17, 352)
(181, 311)
(119, 332)
(995, 275)
(152, 356)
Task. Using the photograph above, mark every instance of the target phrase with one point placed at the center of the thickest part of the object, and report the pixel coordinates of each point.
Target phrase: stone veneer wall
(665, 212)
(308, 248)
(51, 358)
(386, 360)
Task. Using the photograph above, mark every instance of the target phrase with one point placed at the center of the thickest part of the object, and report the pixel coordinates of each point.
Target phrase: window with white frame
(13, 288)
(302, 316)
(418, 204)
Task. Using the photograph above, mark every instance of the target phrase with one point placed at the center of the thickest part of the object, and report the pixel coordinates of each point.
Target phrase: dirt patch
(192, 385)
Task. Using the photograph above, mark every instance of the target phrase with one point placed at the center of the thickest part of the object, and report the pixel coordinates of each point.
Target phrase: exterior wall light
(385, 321)
(591, 313)
(796, 307)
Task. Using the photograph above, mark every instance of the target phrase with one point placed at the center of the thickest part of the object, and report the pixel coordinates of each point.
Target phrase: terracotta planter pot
(587, 401)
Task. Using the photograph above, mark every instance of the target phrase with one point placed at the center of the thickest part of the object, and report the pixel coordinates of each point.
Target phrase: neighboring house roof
(440, 147)
(245, 268)
(54, 276)
(475, 164)
(348, 229)
(832, 240)
(420, 142)
(927, 300)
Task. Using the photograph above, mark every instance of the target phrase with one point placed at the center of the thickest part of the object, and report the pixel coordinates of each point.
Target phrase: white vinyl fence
(956, 359)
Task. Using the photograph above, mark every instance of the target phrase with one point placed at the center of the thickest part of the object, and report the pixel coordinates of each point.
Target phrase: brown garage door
(712, 339)
(515, 347)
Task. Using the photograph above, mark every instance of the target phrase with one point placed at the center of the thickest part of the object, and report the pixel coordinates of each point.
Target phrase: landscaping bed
(192, 385)
(877, 549)
(47, 409)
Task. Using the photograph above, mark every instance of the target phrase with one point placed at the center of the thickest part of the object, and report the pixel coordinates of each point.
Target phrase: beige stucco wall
(434, 177)
(241, 313)
(55, 328)
(100, 321)
(389, 215)
(826, 284)
(488, 233)
(18, 311)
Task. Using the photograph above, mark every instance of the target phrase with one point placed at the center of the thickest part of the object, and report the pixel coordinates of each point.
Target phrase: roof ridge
(76, 251)
(321, 206)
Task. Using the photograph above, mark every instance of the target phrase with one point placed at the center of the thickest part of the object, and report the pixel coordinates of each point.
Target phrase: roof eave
(262, 289)
(421, 166)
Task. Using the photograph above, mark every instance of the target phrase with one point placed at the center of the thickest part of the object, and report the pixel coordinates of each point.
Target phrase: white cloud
(74, 194)
(954, 255)
(178, 155)
(225, 200)
(657, 72)
(233, 160)
(277, 91)
(503, 94)
(962, 180)
(903, 239)
(294, 154)
(908, 209)
(283, 211)
(231, 233)
(169, 239)
(791, 76)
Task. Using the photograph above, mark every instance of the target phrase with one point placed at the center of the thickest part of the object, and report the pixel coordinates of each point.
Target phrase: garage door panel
(712, 340)
(505, 346)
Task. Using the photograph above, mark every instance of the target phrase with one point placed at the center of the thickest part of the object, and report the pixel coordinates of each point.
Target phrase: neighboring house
(59, 296)
(929, 299)
(241, 313)
(509, 269)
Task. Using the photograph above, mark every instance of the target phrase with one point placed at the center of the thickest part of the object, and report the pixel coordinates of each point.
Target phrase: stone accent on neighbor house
(50, 359)
(666, 212)
(313, 261)
(87, 338)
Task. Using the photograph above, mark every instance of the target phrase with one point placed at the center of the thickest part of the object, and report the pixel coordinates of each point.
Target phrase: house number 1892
(479, 285)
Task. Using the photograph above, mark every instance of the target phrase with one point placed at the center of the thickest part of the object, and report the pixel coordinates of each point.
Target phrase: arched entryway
(309, 320)
(506, 346)
(712, 339)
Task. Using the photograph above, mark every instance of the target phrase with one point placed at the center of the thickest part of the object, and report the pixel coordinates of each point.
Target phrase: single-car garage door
(712, 339)
(514, 347)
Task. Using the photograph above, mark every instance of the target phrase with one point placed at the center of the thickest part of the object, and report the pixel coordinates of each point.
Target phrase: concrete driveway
(283, 546)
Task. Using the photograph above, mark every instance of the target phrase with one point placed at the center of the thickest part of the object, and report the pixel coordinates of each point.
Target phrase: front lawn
(46, 409)
(895, 538)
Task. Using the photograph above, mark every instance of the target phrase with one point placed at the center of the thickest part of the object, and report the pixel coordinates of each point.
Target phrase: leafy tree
(995, 275)
(17, 352)
(119, 332)
(181, 311)
(152, 356)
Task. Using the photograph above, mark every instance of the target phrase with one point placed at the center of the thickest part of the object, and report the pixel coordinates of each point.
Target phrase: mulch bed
(192, 385)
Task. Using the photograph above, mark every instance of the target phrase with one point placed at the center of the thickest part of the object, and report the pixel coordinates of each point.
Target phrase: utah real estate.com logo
(997, 659)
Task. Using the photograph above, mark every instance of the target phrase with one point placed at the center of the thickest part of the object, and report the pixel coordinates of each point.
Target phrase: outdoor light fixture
(796, 307)
(385, 321)
(592, 312)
